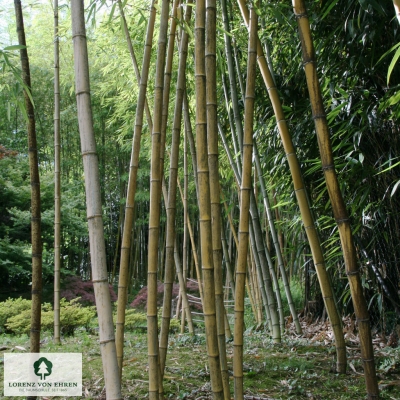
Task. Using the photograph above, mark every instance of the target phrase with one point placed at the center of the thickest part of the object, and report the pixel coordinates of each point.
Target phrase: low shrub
(18, 316)
(10, 308)
(138, 320)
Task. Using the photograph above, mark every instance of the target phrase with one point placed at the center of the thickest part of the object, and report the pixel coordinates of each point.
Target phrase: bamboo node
(35, 291)
(328, 167)
(100, 280)
(304, 64)
(107, 341)
(368, 360)
(86, 153)
(339, 221)
(317, 116)
(350, 273)
(35, 330)
(82, 92)
(94, 216)
(78, 34)
(37, 255)
(362, 320)
(301, 15)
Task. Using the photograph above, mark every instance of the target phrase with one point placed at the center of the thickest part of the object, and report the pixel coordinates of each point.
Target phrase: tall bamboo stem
(132, 180)
(57, 187)
(172, 191)
(245, 189)
(154, 217)
(213, 165)
(335, 195)
(36, 239)
(205, 204)
(93, 203)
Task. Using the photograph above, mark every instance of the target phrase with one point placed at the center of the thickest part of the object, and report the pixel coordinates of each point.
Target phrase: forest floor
(301, 367)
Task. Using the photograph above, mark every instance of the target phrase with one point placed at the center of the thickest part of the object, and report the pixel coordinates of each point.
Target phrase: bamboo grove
(245, 146)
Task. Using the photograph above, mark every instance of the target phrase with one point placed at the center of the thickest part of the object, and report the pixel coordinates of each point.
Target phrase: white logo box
(43, 374)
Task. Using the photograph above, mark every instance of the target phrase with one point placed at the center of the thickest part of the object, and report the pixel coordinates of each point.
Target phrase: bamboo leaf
(328, 9)
(15, 47)
(392, 64)
(395, 188)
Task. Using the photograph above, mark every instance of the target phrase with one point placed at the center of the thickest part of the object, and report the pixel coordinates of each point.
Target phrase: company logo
(43, 367)
(42, 374)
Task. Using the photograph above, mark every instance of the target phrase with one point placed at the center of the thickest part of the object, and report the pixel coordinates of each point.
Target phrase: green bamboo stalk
(261, 259)
(171, 203)
(57, 187)
(132, 180)
(213, 165)
(154, 217)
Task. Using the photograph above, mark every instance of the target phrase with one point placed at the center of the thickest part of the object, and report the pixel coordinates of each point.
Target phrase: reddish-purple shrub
(140, 301)
(75, 287)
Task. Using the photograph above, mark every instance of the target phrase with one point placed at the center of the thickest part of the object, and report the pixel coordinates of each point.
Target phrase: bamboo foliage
(35, 188)
(57, 188)
(154, 217)
(245, 189)
(132, 180)
(93, 203)
(335, 195)
(204, 203)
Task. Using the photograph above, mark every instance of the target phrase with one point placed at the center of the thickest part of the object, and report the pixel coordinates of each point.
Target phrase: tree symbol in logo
(43, 367)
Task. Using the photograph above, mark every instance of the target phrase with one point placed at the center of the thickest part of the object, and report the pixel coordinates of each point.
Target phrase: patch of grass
(294, 369)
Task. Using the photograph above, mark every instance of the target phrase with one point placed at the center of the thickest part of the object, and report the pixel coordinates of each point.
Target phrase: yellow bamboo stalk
(301, 195)
(204, 204)
(335, 195)
(213, 165)
(154, 217)
(171, 200)
(245, 189)
(132, 180)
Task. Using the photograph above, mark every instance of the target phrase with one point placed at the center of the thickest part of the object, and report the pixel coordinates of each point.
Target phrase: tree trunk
(93, 203)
